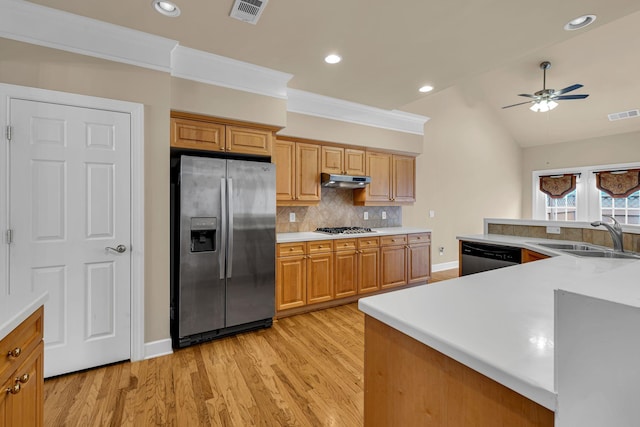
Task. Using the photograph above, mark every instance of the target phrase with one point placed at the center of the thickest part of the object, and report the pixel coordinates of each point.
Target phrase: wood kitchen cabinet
(343, 161)
(346, 267)
(22, 374)
(393, 256)
(319, 271)
(419, 257)
(368, 264)
(529, 256)
(197, 132)
(392, 180)
(291, 275)
(297, 173)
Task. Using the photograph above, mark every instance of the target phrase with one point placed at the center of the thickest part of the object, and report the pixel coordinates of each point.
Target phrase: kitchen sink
(594, 253)
(570, 246)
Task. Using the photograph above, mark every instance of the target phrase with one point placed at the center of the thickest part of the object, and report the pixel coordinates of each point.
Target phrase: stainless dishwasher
(477, 257)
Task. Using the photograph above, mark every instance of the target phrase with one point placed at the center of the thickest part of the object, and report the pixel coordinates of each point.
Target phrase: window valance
(618, 184)
(558, 186)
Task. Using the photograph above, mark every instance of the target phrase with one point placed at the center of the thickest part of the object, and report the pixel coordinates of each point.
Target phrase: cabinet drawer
(398, 239)
(21, 340)
(419, 238)
(288, 249)
(345, 244)
(319, 246)
(368, 242)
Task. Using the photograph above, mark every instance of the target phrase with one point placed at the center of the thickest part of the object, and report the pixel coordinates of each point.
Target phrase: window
(586, 202)
(625, 210)
(562, 209)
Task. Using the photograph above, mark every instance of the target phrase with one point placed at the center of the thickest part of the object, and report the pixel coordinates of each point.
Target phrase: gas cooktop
(344, 230)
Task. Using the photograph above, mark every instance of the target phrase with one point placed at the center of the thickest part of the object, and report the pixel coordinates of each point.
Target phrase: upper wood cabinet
(392, 180)
(207, 133)
(403, 182)
(345, 161)
(297, 173)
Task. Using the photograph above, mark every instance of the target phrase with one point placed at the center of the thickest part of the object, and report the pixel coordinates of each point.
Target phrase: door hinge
(9, 236)
(8, 132)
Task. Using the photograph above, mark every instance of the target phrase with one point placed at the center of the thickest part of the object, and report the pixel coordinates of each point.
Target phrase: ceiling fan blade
(527, 95)
(567, 89)
(569, 97)
(520, 103)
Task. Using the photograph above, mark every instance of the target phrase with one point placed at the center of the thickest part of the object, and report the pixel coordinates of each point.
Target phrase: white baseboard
(444, 266)
(157, 348)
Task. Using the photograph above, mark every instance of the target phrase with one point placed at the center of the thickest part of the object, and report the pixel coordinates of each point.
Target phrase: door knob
(119, 249)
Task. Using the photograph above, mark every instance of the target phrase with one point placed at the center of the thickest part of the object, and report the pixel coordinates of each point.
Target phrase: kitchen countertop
(501, 322)
(14, 309)
(312, 235)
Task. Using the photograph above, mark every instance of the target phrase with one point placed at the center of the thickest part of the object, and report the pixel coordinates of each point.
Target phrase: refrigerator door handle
(223, 226)
(230, 220)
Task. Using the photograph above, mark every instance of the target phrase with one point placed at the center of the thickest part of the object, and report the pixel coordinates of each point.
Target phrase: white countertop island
(501, 323)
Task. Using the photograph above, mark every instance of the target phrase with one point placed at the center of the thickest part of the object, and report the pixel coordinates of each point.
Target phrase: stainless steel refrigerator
(223, 254)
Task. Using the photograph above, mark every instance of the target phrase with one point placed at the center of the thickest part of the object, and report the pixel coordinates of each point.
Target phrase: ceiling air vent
(624, 115)
(248, 10)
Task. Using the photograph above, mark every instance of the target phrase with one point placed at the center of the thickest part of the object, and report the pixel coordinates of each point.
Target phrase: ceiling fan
(545, 99)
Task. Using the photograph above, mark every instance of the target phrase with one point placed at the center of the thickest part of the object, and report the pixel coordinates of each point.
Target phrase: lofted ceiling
(490, 49)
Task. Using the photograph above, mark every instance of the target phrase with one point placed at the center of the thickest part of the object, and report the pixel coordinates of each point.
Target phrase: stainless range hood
(344, 181)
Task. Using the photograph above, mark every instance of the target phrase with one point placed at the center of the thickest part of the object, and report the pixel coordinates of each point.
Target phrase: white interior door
(69, 200)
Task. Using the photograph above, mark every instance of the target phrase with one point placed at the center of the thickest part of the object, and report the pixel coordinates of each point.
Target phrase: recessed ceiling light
(166, 8)
(425, 89)
(332, 59)
(579, 22)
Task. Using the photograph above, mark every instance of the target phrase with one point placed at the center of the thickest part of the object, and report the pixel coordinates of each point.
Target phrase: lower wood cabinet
(319, 271)
(346, 268)
(315, 272)
(22, 374)
(528, 256)
(419, 257)
(393, 255)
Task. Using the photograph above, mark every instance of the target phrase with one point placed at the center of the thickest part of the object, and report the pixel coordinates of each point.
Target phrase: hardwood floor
(306, 370)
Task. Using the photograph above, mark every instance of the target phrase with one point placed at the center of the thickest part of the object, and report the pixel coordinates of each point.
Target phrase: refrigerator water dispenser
(203, 234)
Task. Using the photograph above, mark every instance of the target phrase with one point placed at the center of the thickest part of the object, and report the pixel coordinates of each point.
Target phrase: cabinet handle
(16, 352)
(24, 378)
(15, 389)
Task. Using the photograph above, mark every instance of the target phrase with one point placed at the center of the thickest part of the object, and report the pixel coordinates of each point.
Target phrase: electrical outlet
(384, 215)
(366, 216)
(292, 217)
(441, 250)
(553, 230)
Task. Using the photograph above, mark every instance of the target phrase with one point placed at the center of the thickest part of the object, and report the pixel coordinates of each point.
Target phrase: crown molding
(44, 26)
(218, 70)
(326, 107)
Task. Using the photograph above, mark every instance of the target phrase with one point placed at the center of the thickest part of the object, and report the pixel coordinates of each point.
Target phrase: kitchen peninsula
(545, 343)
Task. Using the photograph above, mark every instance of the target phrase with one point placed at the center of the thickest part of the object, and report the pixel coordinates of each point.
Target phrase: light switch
(432, 214)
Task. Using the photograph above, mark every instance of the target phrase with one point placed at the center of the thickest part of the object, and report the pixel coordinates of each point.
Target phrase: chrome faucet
(615, 230)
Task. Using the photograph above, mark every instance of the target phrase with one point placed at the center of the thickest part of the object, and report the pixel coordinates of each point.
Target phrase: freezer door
(201, 287)
(252, 241)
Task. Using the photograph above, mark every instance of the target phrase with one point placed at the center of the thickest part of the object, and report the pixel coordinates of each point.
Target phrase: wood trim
(409, 383)
(345, 146)
(224, 121)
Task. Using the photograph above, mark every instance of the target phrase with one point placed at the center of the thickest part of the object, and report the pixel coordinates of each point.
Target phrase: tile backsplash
(588, 235)
(336, 210)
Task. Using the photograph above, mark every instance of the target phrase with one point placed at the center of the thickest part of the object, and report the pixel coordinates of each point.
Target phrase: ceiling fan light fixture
(166, 8)
(579, 22)
(543, 106)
